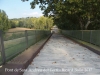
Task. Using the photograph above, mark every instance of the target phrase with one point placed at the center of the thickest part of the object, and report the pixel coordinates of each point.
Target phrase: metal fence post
(35, 36)
(91, 37)
(82, 34)
(2, 50)
(26, 36)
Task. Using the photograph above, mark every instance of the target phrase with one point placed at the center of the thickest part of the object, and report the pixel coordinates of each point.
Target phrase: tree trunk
(81, 25)
(87, 24)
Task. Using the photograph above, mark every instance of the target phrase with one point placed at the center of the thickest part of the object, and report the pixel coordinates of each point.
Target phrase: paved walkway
(61, 56)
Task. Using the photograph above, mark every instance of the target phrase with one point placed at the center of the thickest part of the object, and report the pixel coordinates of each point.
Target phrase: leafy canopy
(73, 14)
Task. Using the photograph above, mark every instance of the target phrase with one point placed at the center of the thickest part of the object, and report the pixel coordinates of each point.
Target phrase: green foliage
(20, 24)
(4, 22)
(12, 24)
(71, 14)
(43, 23)
(31, 22)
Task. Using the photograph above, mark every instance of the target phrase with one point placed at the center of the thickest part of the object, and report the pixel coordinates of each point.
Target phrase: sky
(19, 9)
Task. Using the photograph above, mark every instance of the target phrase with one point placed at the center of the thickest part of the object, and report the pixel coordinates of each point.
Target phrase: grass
(11, 43)
(15, 50)
(13, 35)
(18, 29)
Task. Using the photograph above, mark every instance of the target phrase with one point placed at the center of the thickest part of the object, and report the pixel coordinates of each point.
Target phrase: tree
(20, 24)
(43, 23)
(49, 23)
(4, 21)
(29, 23)
(32, 22)
(69, 13)
(12, 24)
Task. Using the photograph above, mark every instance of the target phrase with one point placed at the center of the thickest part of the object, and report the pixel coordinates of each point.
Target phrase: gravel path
(61, 56)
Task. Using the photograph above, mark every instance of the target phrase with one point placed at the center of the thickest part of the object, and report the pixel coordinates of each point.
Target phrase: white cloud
(32, 14)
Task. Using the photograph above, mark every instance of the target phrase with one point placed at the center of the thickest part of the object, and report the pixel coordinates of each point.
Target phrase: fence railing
(13, 43)
(91, 36)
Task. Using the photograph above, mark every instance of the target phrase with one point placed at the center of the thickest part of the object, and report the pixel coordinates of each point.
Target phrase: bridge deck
(61, 56)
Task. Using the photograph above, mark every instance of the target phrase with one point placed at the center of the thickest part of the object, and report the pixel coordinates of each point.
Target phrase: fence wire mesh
(17, 42)
(0, 58)
(14, 43)
(91, 36)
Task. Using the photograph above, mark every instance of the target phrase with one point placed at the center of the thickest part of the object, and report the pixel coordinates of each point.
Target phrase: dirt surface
(18, 29)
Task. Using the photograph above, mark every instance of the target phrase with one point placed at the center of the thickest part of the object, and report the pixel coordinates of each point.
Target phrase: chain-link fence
(91, 36)
(16, 42)
(0, 58)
